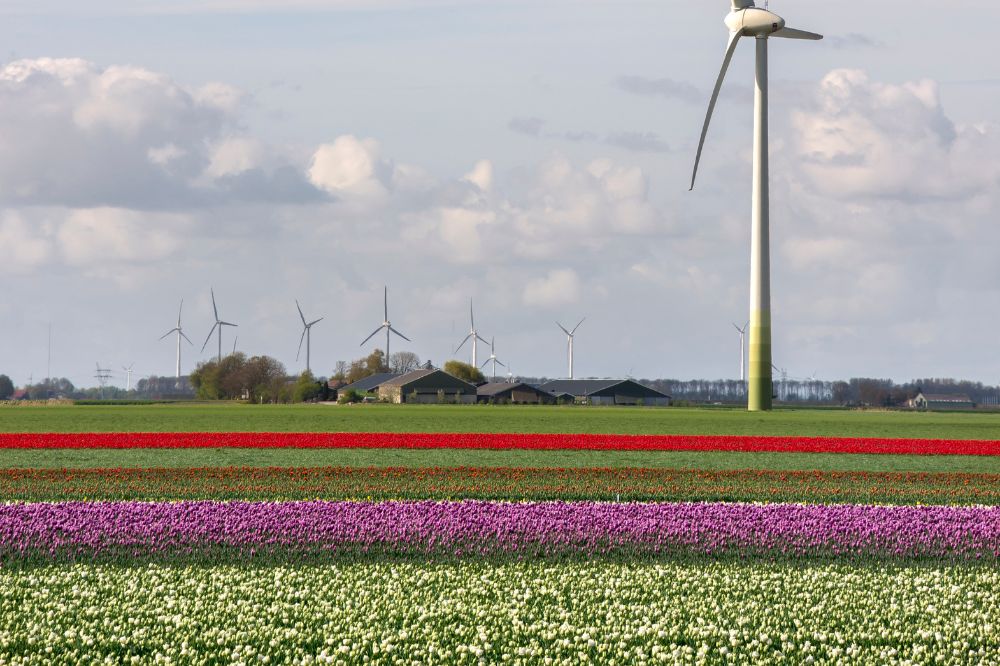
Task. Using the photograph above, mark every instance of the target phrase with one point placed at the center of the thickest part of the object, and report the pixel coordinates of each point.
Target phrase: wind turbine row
(747, 20)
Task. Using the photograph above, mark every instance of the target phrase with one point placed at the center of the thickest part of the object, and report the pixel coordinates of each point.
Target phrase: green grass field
(79, 458)
(484, 418)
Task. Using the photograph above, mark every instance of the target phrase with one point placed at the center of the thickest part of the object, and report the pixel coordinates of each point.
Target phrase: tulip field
(469, 547)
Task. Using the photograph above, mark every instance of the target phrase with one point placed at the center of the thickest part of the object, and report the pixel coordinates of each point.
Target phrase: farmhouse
(514, 393)
(607, 391)
(427, 386)
(937, 401)
(368, 384)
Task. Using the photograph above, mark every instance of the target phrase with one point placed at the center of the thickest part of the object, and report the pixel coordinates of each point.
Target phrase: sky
(531, 156)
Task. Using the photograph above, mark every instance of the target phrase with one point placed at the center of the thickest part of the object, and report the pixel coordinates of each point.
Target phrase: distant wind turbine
(128, 376)
(473, 335)
(180, 334)
(388, 329)
(493, 358)
(743, 332)
(306, 334)
(569, 343)
(217, 326)
(747, 20)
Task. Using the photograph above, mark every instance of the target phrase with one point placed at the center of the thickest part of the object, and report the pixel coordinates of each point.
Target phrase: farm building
(515, 393)
(368, 384)
(941, 401)
(607, 391)
(427, 386)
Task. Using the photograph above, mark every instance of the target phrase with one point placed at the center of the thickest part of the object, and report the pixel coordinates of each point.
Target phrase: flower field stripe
(206, 531)
(497, 483)
(500, 441)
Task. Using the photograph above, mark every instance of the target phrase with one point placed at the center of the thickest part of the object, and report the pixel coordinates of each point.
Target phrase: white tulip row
(519, 613)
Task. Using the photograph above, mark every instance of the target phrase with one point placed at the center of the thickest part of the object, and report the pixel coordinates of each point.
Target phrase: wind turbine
(747, 20)
(306, 334)
(493, 357)
(180, 334)
(217, 325)
(743, 332)
(128, 375)
(569, 343)
(473, 335)
(388, 329)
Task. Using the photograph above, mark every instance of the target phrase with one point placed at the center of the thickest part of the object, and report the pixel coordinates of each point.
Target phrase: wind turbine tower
(743, 332)
(216, 326)
(747, 20)
(180, 334)
(493, 358)
(473, 335)
(307, 334)
(388, 329)
(128, 376)
(569, 343)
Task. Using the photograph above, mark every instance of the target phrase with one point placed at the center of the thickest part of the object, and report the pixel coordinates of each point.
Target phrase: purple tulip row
(121, 531)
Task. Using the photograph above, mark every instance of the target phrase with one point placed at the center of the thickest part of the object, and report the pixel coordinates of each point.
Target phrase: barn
(368, 384)
(941, 401)
(607, 391)
(519, 393)
(427, 386)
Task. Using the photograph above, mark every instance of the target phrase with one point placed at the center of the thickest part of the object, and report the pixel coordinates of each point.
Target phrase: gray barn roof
(583, 388)
(432, 379)
(370, 383)
(501, 387)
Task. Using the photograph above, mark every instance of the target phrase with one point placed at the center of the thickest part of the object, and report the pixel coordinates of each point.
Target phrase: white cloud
(560, 286)
(350, 166)
(106, 236)
(23, 246)
(866, 138)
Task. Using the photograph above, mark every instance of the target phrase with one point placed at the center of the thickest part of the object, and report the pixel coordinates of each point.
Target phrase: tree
(464, 371)
(306, 388)
(340, 370)
(403, 361)
(6, 387)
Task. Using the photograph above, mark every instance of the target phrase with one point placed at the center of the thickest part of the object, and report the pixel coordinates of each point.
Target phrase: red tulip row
(386, 440)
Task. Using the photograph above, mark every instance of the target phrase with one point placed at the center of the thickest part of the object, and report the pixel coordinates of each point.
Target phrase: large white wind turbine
(216, 326)
(473, 335)
(128, 373)
(180, 334)
(306, 334)
(743, 332)
(746, 20)
(388, 329)
(493, 357)
(569, 343)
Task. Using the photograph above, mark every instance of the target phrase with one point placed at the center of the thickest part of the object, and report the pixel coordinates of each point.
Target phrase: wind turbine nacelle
(754, 22)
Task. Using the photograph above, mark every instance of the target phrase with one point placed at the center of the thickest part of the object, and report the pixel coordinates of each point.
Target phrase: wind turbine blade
(185, 337)
(400, 334)
(501, 364)
(316, 321)
(386, 303)
(472, 317)
(226, 323)
(734, 38)
(792, 33)
(215, 309)
(462, 343)
(737, 328)
(299, 308)
(209, 336)
(485, 363)
(577, 326)
(372, 335)
(173, 330)
(300, 345)
(179, 310)
(563, 328)
(482, 338)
